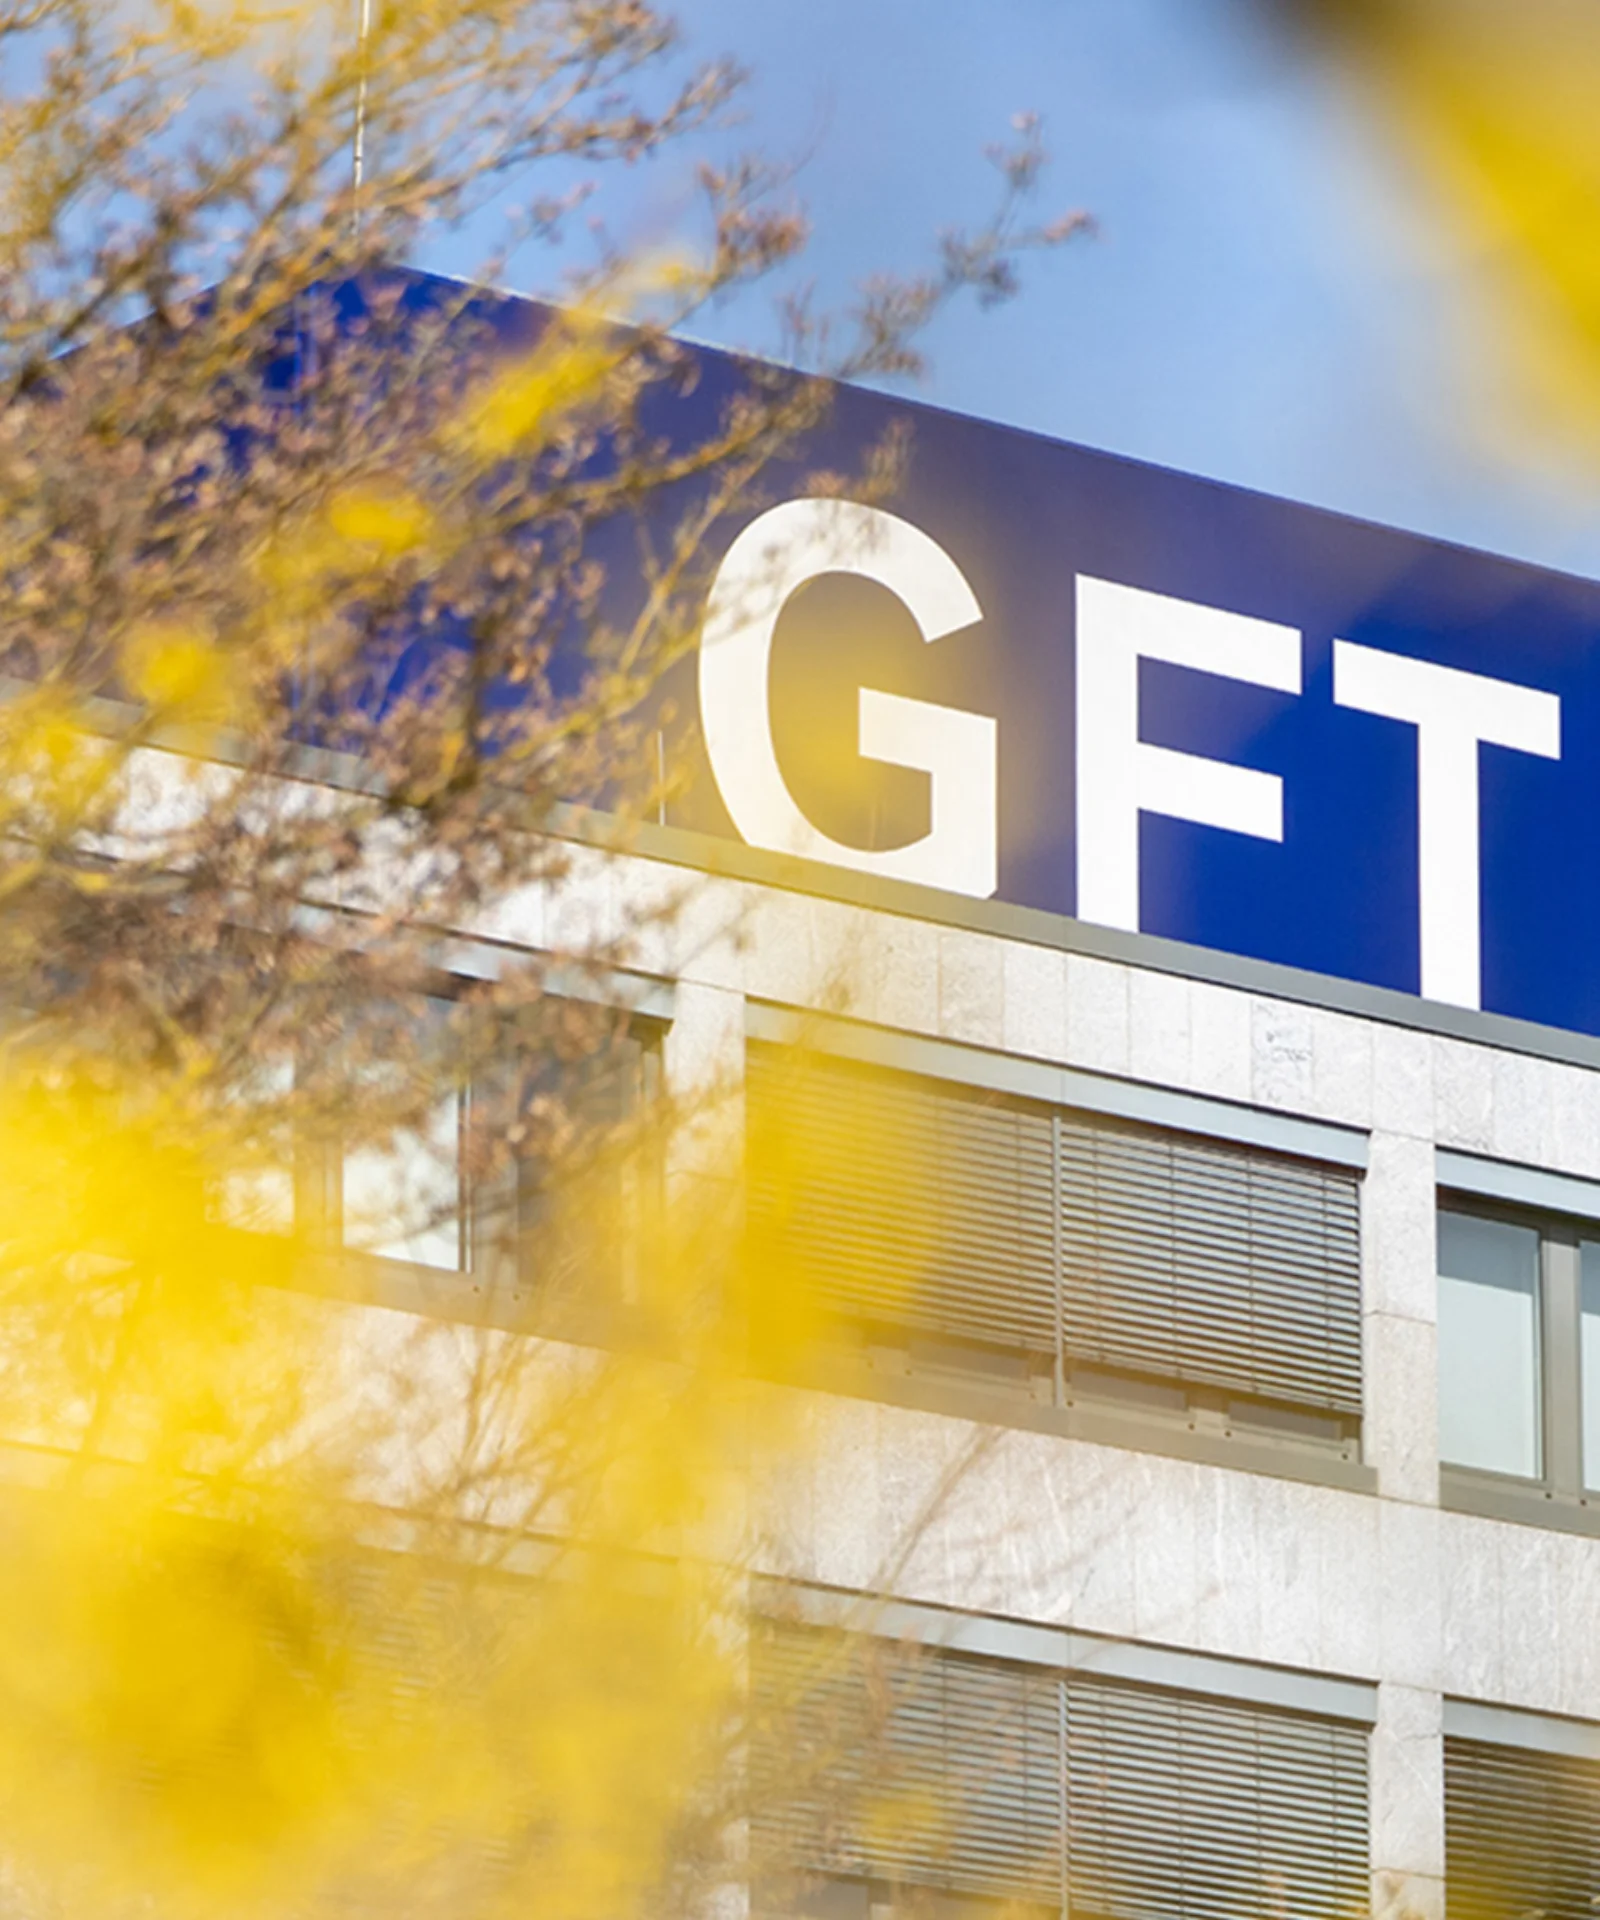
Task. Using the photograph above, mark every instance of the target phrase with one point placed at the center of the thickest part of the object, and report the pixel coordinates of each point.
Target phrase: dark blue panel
(1023, 518)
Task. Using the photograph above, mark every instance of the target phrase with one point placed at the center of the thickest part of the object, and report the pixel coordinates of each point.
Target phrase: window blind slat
(1189, 1809)
(925, 1207)
(1522, 1833)
(1208, 1263)
(965, 1775)
(940, 1772)
(906, 1205)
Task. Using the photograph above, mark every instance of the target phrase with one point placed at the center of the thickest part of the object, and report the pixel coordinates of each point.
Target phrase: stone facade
(1382, 1586)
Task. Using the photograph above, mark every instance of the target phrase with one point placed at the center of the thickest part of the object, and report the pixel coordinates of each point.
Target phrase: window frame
(491, 1285)
(1548, 1762)
(1556, 1496)
(1088, 1403)
(1073, 1663)
(494, 1284)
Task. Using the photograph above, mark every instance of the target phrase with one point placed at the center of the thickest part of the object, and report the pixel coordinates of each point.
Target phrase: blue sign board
(1055, 678)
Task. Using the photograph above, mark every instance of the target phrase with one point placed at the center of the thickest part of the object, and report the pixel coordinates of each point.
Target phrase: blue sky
(1271, 301)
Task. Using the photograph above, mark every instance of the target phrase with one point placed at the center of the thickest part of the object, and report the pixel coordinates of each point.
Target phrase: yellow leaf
(175, 667)
(523, 405)
(1496, 102)
(393, 523)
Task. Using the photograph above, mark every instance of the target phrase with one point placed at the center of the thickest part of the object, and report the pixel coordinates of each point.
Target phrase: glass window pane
(257, 1190)
(1488, 1344)
(1590, 1351)
(404, 1199)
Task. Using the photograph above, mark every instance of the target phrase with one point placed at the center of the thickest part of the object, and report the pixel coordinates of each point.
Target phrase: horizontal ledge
(716, 856)
(1522, 1503)
(1523, 1186)
(1520, 1727)
(1094, 1423)
(1029, 1079)
(731, 859)
(1066, 1649)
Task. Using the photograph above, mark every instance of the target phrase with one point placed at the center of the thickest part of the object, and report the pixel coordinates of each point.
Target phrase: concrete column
(1399, 1292)
(703, 1067)
(1407, 1786)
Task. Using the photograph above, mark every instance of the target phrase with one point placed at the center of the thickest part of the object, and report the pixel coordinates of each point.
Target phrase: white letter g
(774, 556)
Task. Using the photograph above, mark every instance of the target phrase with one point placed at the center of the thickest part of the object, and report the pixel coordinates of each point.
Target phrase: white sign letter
(1119, 775)
(778, 553)
(1452, 712)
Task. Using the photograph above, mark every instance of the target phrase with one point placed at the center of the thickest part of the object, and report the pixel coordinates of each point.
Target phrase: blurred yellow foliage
(306, 570)
(308, 1602)
(528, 401)
(176, 670)
(524, 404)
(305, 1602)
(1498, 104)
(388, 522)
(55, 774)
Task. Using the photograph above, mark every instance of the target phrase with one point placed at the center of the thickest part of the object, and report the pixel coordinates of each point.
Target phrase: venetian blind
(956, 1774)
(1182, 1808)
(922, 1205)
(933, 1772)
(1522, 1833)
(1212, 1263)
(904, 1203)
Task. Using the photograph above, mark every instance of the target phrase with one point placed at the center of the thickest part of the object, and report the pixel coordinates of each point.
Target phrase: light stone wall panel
(1398, 1229)
(1288, 1570)
(704, 932)
(1578, 1625)
(1573, 1096)
(1383, 1586)
(1219, 1041)
(1097, 1015)
(1282, 1062)
(1408, 1596)
(1341, 1068)
(1407, 1785)
(1536, 1577)
(847, 1532)
(1474, 1644)
(1035, 1005)
(1158, 1028)
(1165, 1520)
(584, 909)
(1344, 1536)
(1401, 1422)
(902, 976)
(1520, 1091)
(1463, 1096)
(782, 957)
(971, 987)
(1226, 1607)
(1402, 1082)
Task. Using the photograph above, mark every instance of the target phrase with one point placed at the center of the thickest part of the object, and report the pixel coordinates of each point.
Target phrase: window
(1522, 1833)
(553, 1241)
(433, 1200)
(1589, 1357)
(414, 1199)
(405, 1199)
(1060, 1257)
(1489, 1343)
(1519, 1359)
(956, 1783)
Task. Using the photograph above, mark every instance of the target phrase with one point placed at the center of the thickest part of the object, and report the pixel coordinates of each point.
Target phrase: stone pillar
(1407, 1785)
